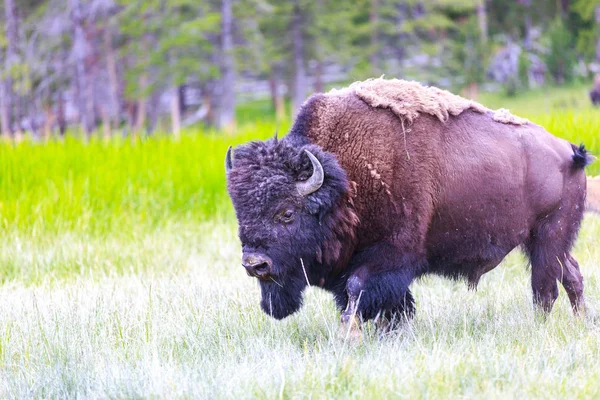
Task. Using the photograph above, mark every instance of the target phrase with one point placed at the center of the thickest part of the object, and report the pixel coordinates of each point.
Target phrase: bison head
(287, 202)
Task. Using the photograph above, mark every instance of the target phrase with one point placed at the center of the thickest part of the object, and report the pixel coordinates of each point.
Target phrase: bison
(385, 181)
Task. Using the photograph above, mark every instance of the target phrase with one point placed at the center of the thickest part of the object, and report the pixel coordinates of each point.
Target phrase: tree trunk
(34, 110)
(49, 120)
(565, 6)
(106, 128)
(597, 40)
(80, 52)
(299, 84)
(153, 107)
(226, 118)
(175, 112)
(319, 87)
(131, 112)
(60, 114)
(374, 23)
(276, 97)
(482, 19)
(209, 100)
(141, 108)
(113, 78)
(140, 121)
(273, 89)
(6, 111)
(527, 41)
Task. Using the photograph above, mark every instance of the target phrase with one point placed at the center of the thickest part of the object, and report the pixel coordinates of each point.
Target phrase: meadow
(121, 278)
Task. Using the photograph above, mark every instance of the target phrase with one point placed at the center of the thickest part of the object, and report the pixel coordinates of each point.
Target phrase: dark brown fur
(462, 194)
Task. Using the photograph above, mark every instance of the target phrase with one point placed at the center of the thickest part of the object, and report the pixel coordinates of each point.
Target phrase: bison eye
(287, 216)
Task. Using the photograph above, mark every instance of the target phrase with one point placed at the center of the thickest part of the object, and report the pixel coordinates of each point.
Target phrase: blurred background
(133, 67)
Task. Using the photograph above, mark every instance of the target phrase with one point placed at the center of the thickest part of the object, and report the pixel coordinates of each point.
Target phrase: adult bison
(387, 180)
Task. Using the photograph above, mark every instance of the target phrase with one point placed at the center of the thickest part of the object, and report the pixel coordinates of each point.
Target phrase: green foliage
(470, 53)
(524, 65)
(173, 40)
(588, 30)
(3, 41)
(586, 9)
(560, 58)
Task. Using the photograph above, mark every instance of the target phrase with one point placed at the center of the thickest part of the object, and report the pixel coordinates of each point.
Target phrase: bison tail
(581, 157)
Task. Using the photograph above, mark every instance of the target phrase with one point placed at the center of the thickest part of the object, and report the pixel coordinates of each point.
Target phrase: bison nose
(257, 265)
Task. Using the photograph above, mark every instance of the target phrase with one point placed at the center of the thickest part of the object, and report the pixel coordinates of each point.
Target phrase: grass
(120, 278)
(543, 100)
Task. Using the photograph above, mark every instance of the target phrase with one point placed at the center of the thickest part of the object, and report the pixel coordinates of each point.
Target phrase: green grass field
(121, 279)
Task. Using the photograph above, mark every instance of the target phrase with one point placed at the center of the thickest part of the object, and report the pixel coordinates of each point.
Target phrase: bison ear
(322, 213)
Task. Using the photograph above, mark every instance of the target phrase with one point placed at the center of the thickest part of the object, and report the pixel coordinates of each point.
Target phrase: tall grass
(106, 186)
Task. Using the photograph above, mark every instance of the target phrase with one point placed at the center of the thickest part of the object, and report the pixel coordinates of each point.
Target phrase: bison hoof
(350, 328)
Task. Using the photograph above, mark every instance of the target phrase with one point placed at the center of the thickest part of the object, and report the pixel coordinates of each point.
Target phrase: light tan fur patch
(407, 99)
(503, 115)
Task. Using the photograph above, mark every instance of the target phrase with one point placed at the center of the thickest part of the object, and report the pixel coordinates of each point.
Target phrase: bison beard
(282, 293)
(280, 299)
(361, 202)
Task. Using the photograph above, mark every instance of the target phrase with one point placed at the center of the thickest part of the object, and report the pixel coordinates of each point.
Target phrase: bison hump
(408, 99)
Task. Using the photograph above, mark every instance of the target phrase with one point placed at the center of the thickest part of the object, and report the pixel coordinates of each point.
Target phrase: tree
(588, 41)
(299, 82)
(227, 106)
(177, 43)
(112, 112)
(271, 39)
(560, 58)
(482, 19)
(11, 59)
(80, 51)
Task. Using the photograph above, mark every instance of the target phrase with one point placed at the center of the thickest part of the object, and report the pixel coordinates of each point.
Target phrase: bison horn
(228, 161)
(313, 183)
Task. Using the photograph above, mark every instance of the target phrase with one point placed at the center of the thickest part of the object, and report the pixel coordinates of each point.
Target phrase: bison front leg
(382, 296)
(351, 325)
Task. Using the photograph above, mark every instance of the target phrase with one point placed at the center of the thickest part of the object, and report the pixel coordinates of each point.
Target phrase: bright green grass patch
(103, 187)
(544, 100)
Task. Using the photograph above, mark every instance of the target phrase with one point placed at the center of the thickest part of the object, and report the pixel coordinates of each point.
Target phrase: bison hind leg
(572, 281)
(551, 262)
